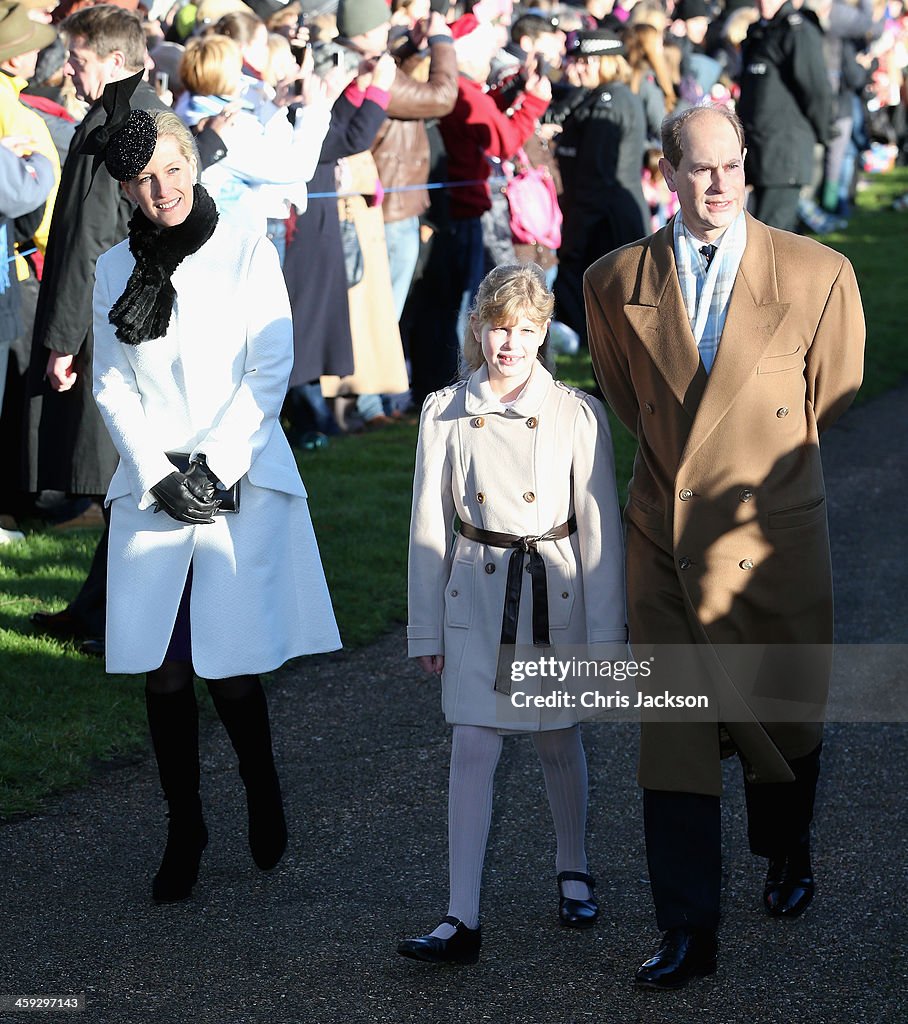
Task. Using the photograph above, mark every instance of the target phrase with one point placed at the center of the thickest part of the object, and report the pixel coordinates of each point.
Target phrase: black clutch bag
(229, 497)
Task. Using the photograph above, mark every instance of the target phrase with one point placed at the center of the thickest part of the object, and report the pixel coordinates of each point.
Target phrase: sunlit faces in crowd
(89, 72)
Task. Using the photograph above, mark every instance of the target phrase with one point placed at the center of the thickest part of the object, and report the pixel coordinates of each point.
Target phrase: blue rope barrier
(28, 252)
(408, 188)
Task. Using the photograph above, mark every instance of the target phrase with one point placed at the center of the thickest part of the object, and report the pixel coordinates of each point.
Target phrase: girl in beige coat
(526, 464)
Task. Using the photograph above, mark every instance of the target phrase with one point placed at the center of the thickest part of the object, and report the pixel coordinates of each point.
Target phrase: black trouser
(90, 604)
(683, 840)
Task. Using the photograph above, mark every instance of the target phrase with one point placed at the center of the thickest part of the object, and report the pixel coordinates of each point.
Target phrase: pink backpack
(535, 213)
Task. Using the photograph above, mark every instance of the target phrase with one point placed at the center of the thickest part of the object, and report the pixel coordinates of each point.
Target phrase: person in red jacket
(474, 130)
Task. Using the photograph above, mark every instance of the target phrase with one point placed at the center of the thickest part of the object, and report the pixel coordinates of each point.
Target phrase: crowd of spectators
(375, 146)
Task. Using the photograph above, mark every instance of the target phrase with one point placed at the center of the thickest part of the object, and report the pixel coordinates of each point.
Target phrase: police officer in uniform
(600, 155)
(785, 107)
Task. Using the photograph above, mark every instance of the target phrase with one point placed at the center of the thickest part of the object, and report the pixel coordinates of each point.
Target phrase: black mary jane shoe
(685, 953)
(461, 948)
(789, 886)
(577, 913)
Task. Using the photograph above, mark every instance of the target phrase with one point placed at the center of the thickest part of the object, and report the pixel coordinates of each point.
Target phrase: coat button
(529, 497)
(453, 593)
(479, 421)
(684, 563)
(564, 593)
(531, 422)
(490, 567)
(650, 408)
(746, 494)
(686, 494)
(782, 412)
(746, 564)
(480, 497)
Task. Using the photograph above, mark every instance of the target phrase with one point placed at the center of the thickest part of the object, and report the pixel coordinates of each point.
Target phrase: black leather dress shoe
(63, 625)
(685, 953)
(577, 913)
(461, 948)
(789, 885)
(93, 647)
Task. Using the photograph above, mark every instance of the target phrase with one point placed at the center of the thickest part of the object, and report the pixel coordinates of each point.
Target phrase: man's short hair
(673, 126)
(107, 28)
(531, 25)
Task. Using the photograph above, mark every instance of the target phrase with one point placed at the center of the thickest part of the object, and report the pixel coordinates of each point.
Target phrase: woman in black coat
(600, 156)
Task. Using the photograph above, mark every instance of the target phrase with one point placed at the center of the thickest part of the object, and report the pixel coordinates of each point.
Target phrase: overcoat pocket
(459, 595)
(798, 515)
(786, 361)
(644, 514)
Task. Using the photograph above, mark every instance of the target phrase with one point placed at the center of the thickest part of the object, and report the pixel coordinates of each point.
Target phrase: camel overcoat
(520, 470)
(214, 384)
(726, 532)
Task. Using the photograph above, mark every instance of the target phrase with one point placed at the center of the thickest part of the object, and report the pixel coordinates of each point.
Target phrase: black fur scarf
(143, 311)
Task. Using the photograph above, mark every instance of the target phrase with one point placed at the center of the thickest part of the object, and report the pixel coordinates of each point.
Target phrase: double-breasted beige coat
(726, 532)
(519, 470)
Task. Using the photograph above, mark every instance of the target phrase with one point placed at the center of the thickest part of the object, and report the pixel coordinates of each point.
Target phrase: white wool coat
(520, 470)
(214, 384)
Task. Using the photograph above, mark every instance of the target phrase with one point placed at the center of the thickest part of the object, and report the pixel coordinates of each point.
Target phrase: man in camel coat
(726, 347)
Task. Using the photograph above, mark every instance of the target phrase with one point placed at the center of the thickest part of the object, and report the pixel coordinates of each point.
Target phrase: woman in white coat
(193, 350)
(526, 465)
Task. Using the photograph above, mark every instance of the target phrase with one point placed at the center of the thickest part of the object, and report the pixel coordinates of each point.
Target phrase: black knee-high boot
(246, 720)
(173, 720)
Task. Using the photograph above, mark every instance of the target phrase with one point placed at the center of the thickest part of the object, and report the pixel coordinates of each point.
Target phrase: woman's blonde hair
(167, 123)
(613, 69)
(507, 294)
(212, 66)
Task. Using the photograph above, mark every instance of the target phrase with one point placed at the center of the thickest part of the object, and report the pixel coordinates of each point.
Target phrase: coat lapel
(660, 321)
(754, 316)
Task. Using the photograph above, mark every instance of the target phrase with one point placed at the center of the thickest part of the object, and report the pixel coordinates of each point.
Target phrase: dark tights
(174, 676)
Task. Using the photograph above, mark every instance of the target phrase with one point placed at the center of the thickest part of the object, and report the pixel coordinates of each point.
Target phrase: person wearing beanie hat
(689, 9)
(364, 24)
(694, 16)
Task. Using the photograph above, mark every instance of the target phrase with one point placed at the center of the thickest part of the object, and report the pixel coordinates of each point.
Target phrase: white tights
(475, 751)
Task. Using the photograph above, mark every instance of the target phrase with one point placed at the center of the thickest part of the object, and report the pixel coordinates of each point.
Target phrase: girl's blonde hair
(212, 66)
(507, 294)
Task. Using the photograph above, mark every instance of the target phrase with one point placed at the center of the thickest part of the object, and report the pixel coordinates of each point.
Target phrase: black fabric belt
(522, 546)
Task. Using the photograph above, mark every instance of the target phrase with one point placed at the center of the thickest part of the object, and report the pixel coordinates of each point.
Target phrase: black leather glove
(174, 496)
(202, 483)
